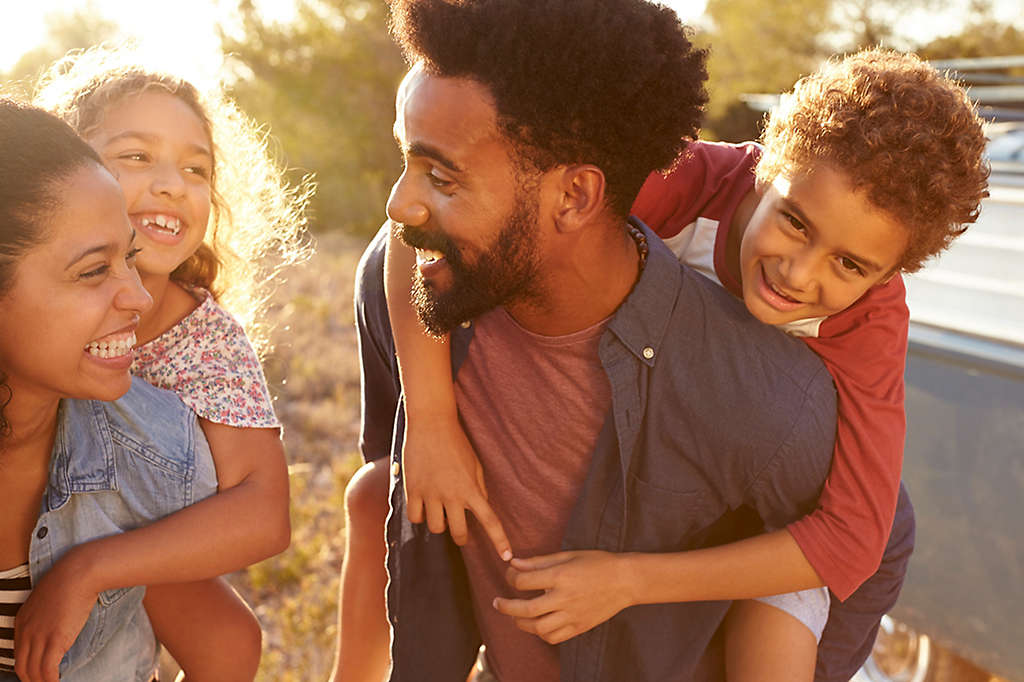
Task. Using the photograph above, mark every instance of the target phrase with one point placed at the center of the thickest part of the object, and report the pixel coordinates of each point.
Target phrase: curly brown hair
(614, 83)
(902, 133)
(257, 220)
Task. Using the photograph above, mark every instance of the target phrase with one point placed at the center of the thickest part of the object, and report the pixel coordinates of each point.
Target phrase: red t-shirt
(864, 347)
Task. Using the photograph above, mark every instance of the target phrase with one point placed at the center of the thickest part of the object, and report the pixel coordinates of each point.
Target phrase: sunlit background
(320, 75)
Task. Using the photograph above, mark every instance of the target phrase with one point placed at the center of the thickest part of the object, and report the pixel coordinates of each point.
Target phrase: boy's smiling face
(813, 246)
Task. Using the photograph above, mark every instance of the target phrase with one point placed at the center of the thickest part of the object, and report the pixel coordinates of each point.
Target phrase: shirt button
(395, 469)
(41, 533)
(466, 324)
(648, 352)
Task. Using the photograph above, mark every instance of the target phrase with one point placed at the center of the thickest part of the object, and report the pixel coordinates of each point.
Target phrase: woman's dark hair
(38, 152)
(614, 83)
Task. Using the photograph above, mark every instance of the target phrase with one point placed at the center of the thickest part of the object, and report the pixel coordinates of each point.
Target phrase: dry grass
(313, 373)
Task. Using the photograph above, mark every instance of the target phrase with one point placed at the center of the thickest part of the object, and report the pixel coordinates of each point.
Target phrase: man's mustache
(418, 238)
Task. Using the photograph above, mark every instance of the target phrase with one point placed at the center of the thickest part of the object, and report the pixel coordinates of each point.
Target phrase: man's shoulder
(712, 338)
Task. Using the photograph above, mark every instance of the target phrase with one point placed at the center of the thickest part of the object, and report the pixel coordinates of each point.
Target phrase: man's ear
(581, 196)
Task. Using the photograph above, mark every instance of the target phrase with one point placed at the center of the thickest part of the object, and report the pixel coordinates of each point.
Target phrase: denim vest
(117, 466)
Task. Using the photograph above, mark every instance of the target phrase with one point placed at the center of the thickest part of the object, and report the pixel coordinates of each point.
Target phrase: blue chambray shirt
(117, 466)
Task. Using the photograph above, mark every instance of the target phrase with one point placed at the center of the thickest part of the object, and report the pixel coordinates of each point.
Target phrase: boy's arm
(245, 522)
(864, 349)
(585, 588)
(443, 477)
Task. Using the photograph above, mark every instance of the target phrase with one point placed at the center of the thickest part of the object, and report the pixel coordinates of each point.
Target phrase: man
(618, 402)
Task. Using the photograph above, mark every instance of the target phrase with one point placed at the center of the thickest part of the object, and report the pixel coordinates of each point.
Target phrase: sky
(192, 22)
(24, 21)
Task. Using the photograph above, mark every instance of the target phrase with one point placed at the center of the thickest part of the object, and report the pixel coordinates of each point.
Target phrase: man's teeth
(165, 222)
(428, 256)
(112, 347)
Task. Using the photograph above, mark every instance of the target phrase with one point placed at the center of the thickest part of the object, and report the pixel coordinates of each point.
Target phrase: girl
(209, 206)
(73, 468)
(842, 203)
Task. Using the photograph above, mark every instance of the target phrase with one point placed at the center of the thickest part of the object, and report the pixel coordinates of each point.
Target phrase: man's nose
(404, 206)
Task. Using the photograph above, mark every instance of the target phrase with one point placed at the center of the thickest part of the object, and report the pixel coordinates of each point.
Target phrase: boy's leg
(765, 642)
(207, 628)
(364, 637)
(853, 624)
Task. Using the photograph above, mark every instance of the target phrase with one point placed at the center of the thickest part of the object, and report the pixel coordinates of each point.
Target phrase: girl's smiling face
(75, 298)
(160, 152)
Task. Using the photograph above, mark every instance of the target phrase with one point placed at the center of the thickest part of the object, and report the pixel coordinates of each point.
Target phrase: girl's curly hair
(257, 220)
(904, 134)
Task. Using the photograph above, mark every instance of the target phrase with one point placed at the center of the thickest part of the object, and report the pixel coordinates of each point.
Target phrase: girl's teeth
(112, 347)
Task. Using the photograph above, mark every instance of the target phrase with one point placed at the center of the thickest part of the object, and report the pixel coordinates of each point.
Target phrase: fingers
(457, 524)
(536, 617)
(414, 508)
(492, 526)
(435, 516)
(541, 561)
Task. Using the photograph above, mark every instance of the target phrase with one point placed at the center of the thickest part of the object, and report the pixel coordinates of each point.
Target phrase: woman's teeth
(112, 347)
(164, 222)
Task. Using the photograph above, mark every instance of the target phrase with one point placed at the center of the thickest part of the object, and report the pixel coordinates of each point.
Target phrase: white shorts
(810, 607)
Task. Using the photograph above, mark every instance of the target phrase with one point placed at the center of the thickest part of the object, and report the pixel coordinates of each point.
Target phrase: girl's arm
(245, 522)
(443, 477)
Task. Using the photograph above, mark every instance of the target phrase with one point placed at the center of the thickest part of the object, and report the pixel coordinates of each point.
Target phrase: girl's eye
(850, 265)
(200, 171)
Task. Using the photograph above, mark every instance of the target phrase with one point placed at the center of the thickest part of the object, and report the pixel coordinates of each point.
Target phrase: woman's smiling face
(75, 298)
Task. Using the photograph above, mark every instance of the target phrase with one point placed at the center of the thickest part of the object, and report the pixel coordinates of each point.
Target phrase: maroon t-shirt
(513, 391)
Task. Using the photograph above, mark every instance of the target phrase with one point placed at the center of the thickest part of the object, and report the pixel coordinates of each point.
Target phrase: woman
(73, 468)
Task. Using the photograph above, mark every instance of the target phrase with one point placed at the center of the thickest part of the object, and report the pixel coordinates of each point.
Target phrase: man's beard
(504, 273)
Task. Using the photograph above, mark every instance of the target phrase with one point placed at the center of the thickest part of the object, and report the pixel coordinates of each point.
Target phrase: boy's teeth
(112, 347)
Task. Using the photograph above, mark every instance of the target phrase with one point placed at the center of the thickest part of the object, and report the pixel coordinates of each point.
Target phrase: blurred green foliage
(325, 83)
(764, 47)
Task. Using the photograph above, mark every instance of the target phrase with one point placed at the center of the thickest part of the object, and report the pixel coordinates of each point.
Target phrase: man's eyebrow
(428, 151)
(794, 207)
(148, 137)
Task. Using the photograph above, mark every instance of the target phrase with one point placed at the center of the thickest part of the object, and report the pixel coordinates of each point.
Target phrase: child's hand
(443, 478)
(581, 590)
(50, 620)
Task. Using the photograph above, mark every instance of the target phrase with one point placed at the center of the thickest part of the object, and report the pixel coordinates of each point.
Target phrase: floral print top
(208, 361)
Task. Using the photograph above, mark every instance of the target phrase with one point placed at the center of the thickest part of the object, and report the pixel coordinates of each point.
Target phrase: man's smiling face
(461, 202)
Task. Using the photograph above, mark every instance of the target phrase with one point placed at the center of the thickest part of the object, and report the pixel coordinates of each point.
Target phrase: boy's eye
(850, 265)
(795, 223)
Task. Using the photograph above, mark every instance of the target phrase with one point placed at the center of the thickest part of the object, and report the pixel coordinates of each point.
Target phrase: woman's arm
(245, 522)
(443, 477)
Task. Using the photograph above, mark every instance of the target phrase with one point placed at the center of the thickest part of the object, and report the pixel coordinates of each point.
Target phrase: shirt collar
(641, 321)
(83, 456)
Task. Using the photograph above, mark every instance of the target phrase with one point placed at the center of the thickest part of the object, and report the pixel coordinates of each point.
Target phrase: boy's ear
(580, 200)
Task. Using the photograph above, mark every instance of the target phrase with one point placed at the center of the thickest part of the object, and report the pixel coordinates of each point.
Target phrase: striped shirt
(15, 586)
